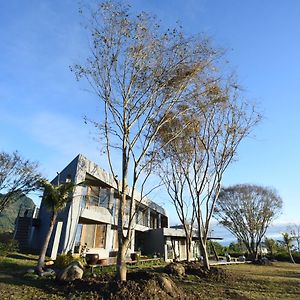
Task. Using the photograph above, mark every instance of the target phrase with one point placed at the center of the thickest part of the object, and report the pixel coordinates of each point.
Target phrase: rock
(175, 269)
(48, 273)
(168, 286)
(31, 271)
(72, 272)
(31, 276)
(49, 263)
(242, 258)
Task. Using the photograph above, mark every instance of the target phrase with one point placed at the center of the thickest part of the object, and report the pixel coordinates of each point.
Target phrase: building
(90, 220)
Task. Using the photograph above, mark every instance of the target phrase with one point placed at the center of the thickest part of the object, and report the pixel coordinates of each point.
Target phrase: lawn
(246, 281)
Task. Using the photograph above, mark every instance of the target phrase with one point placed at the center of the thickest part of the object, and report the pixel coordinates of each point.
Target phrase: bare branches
(17, 176)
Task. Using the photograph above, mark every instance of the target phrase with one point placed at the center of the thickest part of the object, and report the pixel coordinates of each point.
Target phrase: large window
(97, 196)
(93, 235)
(142, 215)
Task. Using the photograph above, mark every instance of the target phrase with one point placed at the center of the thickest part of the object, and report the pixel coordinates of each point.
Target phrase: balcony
(94, 209)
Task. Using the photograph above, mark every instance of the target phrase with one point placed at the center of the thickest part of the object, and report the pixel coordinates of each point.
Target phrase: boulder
(49, 263)
(175, 269)
(168, 286)
(31, 276)
(48, 273)
(31, 270)
(72, 272)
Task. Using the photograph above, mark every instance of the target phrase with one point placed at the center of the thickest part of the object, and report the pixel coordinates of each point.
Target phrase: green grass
(14, 286)
(247, 281)
(244, 281)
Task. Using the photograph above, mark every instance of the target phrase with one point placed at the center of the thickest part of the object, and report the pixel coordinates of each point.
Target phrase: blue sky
(42, 106)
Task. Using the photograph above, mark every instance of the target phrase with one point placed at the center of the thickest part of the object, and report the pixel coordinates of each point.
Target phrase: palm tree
(288, 242)
(55, 199)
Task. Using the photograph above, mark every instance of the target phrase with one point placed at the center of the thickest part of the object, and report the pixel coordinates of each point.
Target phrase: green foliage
(218, 247)
(237, 248)
(56, 197)
(284, 256)
(8, 247)
(63, 260)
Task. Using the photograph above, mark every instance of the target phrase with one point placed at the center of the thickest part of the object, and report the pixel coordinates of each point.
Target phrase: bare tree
(216, 121)
(18, 176)
(139, 73)
(175, 182)
(247, 211)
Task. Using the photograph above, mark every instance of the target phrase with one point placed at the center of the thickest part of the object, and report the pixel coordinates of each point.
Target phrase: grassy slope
(279, 281)
(14, 286)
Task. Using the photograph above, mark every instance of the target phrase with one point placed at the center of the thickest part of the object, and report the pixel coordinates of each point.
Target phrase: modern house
(90, 219)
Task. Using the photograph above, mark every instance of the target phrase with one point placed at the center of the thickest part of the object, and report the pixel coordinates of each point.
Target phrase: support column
(148, 217)
(56, 240)
(159, 221)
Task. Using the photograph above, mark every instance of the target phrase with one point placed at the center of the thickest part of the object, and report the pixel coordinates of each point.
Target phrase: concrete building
(90, 219)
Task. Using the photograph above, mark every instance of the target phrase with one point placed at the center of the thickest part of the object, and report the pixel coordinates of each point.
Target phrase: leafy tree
(237, 247)
(18, 176)
(55, 199)
(247, 211)
(271, 246)
(139, 72)
(288, 243)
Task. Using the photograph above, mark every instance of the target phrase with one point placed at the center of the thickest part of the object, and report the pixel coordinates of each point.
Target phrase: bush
(8, 247)
(63, 260)
(283, 256)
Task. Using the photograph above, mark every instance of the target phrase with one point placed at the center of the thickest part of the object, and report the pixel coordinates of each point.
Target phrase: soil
(140, 285)
(143, 284)
(214, 274)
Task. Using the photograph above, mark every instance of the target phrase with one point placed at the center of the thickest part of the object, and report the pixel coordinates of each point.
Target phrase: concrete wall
(69, 217)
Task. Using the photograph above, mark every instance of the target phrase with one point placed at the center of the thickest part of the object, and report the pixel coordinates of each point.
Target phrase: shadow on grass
(21, 256)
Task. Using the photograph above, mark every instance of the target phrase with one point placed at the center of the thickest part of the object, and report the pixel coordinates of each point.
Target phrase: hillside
(8, 216)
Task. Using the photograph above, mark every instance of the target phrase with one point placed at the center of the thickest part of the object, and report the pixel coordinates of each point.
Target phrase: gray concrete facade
(91, 217)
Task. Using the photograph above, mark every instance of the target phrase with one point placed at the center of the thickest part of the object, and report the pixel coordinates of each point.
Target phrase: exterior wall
(68, 172)
(76, 213)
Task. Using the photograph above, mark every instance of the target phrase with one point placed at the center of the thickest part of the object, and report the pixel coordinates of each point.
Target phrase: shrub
(284, 256)
(8, 247)
(63, 260)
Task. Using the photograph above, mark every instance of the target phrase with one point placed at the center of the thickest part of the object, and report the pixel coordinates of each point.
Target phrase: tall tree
(55, 198)
(215, 120)
(139, 73)
(288, 243)
(18, 176)
(247, 211)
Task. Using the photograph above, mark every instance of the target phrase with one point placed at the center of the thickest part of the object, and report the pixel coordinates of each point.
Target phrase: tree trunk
(203, 251)
(291, 256)
(42, 256)
(121, 260)
(188, 248)
(214, 251)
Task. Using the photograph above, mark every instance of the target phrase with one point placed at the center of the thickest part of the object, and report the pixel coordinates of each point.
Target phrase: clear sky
(42, 106)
